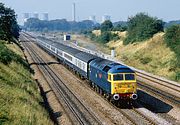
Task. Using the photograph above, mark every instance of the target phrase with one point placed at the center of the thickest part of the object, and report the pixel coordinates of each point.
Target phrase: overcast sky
(117, 9)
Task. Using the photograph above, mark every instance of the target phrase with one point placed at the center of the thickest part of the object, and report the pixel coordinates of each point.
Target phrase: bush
(105, 37)
(106, 26)
(177, 76)
(142, 27)
(114, 36)
(7, 56)
(92, 36)
(172, 39)
(120, 27)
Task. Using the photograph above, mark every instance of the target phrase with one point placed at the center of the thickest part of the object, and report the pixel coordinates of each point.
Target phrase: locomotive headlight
(115, 85)
(134, 84)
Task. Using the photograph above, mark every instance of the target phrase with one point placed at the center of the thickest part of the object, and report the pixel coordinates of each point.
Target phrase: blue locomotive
(113, 80)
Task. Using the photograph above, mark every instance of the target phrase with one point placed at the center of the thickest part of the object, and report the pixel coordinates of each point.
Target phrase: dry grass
(151, 55)
(97, 32)
(120, 34)
(15, 49)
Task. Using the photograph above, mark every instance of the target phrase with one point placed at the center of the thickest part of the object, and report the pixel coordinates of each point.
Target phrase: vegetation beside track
(145, 44)
(20, 100)
(152, 55)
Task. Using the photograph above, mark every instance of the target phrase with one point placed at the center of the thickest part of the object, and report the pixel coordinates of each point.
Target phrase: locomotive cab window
(117, 77)
(129, 76)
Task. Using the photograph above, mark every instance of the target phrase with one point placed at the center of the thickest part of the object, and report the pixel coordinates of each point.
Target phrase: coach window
(83, 66)
(68, 57)
(76, 62)
(59, 53)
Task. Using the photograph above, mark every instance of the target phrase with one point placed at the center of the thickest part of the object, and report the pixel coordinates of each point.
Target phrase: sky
(119, 10)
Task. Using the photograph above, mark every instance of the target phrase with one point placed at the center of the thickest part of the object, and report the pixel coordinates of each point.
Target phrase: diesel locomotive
(113, 80)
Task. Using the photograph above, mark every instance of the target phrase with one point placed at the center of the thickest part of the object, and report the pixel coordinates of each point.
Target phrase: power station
(73, 12)
(35, 15)
(42, 16)
(93, 19)
(45, 16)
(25, 17)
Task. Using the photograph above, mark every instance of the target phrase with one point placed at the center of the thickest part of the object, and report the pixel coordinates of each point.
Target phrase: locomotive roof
(110, 66)
(120, 69)
(100, 63)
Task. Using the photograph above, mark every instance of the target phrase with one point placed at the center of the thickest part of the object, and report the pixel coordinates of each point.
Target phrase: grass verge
(20, 100)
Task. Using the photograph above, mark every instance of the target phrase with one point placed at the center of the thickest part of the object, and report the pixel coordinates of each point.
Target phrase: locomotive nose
(116, 97)
(134, 96)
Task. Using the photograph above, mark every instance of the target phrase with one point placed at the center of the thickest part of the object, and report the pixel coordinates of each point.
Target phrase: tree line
(139, 28)
(106, 35)
(34, 24)
(9, 28)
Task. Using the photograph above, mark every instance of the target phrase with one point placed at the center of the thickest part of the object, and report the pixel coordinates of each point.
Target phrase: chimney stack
(73, 12)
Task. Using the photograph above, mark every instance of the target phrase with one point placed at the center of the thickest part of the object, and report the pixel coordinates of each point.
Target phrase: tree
(34, 24)
(8, 24)
(106, 26)
(104, 37)
(142, 27)
(172, 39)
(120, 27)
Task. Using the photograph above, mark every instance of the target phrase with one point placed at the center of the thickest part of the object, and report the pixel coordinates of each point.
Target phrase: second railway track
(79, 113)
(136, 117)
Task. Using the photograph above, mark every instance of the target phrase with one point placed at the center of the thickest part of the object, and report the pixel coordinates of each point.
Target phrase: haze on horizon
(119, 10)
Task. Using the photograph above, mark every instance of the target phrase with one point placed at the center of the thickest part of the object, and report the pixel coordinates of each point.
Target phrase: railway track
(163, 82)
(166, 89)
(165, 95)
(79, 113)
(137, 117)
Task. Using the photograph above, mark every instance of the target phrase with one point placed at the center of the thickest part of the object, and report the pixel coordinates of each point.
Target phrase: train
(114, 81)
